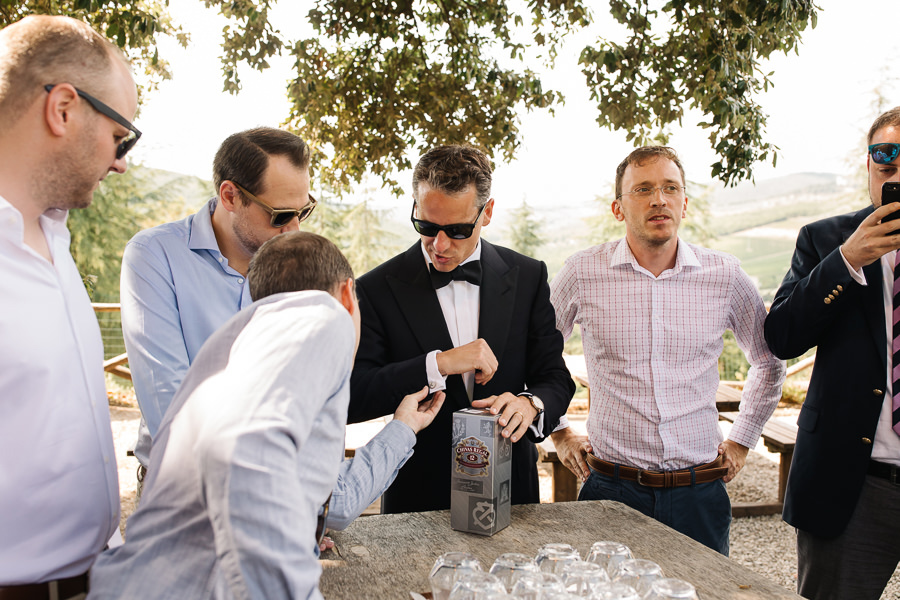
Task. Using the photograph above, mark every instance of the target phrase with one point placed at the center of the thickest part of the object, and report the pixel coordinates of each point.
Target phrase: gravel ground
(764, 544)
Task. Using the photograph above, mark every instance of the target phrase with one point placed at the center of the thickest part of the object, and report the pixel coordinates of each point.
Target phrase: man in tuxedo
(843, 492)
(457, 313)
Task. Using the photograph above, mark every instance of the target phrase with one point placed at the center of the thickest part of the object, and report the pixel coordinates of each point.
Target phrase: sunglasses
(456, 231)
(126, 144)
(884, 153)
(281, 216)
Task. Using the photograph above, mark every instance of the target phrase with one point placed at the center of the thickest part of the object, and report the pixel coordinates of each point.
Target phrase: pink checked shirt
(652, 346)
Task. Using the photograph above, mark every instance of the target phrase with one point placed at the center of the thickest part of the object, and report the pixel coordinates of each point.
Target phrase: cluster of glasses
(608, 572)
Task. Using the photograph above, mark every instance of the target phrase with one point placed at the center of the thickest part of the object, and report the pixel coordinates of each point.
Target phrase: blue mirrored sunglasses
(884, 153)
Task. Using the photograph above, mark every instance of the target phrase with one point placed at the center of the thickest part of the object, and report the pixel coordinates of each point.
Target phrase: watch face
(537, 403)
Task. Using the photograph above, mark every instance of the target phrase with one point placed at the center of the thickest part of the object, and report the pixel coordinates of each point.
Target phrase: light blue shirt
(176, 290)
(248, 452)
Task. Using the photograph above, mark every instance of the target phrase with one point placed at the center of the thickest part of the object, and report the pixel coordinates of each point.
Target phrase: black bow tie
(471, 272)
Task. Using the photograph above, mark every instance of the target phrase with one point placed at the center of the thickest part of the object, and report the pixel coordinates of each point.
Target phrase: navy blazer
(819, 304)
(402, 322)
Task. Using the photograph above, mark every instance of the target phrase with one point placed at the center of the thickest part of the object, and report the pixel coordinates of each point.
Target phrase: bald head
(41, 50)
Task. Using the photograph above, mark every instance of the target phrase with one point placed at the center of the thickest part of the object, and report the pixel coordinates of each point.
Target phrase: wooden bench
(779, 438)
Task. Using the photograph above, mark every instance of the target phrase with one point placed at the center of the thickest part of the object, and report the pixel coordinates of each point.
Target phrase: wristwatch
(536, 404)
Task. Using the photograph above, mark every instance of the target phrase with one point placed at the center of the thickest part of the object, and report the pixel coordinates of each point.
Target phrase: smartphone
(890, 192)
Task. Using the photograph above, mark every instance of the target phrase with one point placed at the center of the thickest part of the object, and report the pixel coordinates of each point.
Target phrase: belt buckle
(639, 482)
(893, 477)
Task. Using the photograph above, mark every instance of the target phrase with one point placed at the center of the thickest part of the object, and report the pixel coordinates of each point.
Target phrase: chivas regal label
(472, 457)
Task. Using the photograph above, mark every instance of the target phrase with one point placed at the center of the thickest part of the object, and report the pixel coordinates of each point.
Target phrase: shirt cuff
(563, 423)
(436, 381)
(858, 276)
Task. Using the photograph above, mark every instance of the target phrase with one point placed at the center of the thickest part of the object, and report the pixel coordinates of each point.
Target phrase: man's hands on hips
(516, 413)
(571, 449)
(872, 239)
(417, 412)
(475, 356)
(734, 455)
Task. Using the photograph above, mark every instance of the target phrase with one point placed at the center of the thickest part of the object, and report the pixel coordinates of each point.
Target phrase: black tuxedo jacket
(819, 304)
(402, 322)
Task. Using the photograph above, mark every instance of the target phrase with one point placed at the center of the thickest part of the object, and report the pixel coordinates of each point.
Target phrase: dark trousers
(858, 563)
(701, 512)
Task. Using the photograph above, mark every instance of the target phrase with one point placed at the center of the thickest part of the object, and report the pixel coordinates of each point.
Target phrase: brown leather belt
(661, 479)
(59, 589)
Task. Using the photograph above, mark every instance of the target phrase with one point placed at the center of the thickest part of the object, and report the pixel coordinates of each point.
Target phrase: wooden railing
(114, 365)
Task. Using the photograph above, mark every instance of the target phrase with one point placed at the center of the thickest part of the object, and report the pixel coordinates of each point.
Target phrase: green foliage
(707, 58)
(135, 26)
(123, 205)
(525, 231)
(357, 231)
(733, 365)
(100, 232)
(382, 79)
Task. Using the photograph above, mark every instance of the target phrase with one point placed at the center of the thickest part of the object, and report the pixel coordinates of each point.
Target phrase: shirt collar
(476, 254)
(53, 222)
(684, 258)
(202, 236)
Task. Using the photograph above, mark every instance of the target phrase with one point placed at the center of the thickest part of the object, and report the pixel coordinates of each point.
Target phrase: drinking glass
(638, 573)
(510, 566)
(608, 554)
(614, 591)
(551, 558)
(580, 578)
(447, 569)
(671, 589)
(476, 585)
(533, 586)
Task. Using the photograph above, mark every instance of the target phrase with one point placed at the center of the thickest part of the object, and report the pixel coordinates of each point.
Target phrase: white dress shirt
(59, 491)
(886, 446)
(652, 346)
(247, 453)
(460, 302)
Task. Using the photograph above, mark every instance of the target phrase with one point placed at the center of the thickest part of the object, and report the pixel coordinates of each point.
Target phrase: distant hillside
(758, 222)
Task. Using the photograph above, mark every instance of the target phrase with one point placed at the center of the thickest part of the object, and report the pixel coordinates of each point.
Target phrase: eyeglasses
(126, 144)
(645, 191)
(884, 153)
(456, 231)
(281, 216)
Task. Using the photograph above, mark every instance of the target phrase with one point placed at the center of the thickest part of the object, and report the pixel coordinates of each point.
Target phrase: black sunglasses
(126, 144)
(884, 153)
(281, 216)
(456, 231)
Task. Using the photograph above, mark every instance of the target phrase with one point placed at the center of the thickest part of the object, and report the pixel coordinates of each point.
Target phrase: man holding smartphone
(842, 296)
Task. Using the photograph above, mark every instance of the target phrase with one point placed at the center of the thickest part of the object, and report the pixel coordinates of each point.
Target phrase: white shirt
(886, 447)
(460, 302)
(59, 491)
(249, 450)
(652, 346)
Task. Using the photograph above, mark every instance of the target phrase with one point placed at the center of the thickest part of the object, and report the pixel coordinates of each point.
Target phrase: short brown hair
(244, 157)
(645, 154)
(890, 118)
(297, 261)
(452, 168)
(40, 50)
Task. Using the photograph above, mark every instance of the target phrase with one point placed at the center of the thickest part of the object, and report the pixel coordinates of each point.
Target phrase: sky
(819, 109)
